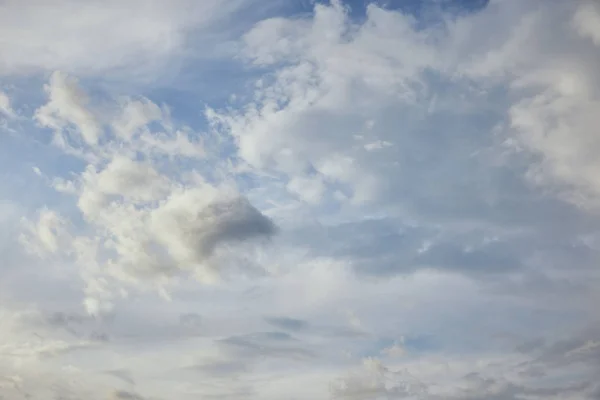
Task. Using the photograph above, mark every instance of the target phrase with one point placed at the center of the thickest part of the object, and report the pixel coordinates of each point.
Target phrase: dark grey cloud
(229, 221)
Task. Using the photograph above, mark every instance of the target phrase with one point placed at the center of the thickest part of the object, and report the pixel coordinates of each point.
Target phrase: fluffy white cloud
(323, 88)
(140, 220)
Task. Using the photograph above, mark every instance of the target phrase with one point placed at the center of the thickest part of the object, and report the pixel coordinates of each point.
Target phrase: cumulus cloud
(140, 221)
(320, 93)
(314, 101)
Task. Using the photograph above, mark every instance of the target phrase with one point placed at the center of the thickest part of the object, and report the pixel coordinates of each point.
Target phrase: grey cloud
(122, 375)
(579, 353)
(374, 381)
(489, 258)
(193, 233)
(384, 247)
(229, 221)
(578, 349)
(524, 262)
(450, 164)
(190, 320)
(302, 327)
(287, 323)
(232, 392)
(499, 389)
(126, 395)
(566, 368)
(260, 337)
(222, 368)
(79, 326)
(266, 344)
(60, 318)
(530, 345)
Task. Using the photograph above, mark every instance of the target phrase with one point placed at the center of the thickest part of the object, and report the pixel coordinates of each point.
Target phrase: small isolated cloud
(5, 107)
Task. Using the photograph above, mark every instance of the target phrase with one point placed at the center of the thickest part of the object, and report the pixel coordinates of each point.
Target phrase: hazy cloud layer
(293, 200)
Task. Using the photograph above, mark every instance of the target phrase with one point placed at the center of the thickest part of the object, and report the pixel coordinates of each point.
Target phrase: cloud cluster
(140, 219)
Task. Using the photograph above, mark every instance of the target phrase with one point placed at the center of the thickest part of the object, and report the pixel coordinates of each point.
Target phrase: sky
(296, 199)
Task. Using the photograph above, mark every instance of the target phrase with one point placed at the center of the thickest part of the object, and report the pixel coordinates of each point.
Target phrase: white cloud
(5, 107)
(47, 235)
(309, 189)
(395, 350)
(135, 182)
(130, 38)
(92, 132)
(140, 223)
(377, 145)
(67, 105)
(555, 121)
(136, 114)
(321, 88)
(376, 380)
(587, 21)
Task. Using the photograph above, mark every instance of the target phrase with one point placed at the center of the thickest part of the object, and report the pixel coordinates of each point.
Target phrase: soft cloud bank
(131, 38)
(398, 203)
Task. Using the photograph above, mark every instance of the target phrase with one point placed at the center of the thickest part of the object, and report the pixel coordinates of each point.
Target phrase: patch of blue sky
(410, 345)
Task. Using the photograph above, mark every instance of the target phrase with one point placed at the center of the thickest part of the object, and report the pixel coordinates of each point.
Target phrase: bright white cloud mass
(276, 199)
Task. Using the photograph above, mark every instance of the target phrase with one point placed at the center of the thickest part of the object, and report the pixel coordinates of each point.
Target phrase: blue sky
(300, 200)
